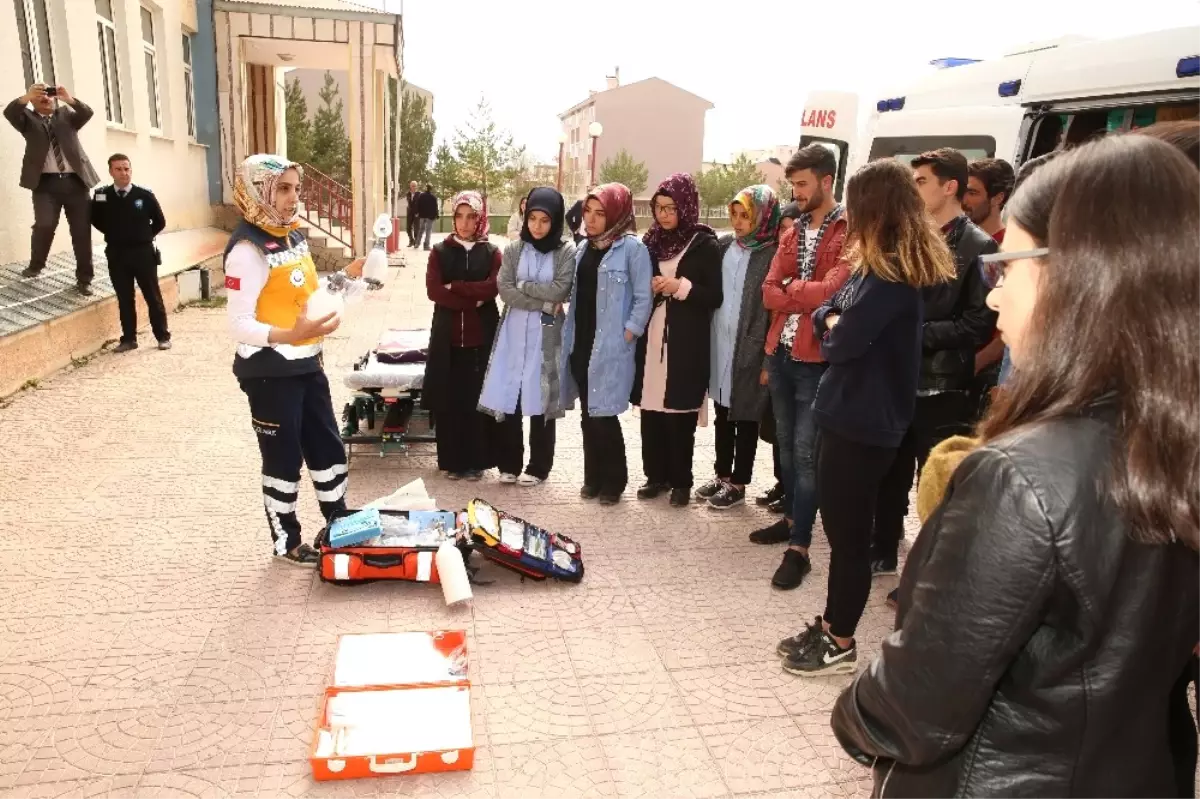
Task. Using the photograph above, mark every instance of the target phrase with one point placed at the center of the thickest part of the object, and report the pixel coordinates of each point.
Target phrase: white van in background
(1036, 99)
(831, 119)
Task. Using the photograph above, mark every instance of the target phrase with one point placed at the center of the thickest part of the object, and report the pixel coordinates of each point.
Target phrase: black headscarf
(549, 202)
(790, 211)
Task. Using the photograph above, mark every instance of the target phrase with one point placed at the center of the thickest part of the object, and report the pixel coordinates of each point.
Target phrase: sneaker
(610, 499)
(792, 647)
(774, 495)
(791, 571)
(652, 490)
(528, 480)
(824, 657)
(164, 345)
(883, 567)
(778, 506)
(710, 489)
(474, 475)
(729, 496)
(589, 492)
(85, 289)
(126, 346)
(31, 271)
(507, 477)
(777, 533)
(303, 555)
(893, 600)
(679, 497)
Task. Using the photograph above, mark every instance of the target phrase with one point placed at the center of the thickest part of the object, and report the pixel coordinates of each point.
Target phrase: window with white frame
(33, 32)
(150, 53)
(106, 35)
(189, 91)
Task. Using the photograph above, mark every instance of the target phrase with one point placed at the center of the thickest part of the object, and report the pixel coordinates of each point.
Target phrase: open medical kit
(380, 544)
(522, 547)
(399, 703)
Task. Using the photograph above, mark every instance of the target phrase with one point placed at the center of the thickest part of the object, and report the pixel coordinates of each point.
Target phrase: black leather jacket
(957, 319)
(1036, 642)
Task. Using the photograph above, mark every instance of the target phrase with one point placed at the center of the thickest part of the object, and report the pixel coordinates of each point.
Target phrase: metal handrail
(327, 198)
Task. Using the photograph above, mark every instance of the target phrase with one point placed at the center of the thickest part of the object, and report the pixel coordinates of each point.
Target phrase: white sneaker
(505, 477)
(529, 480)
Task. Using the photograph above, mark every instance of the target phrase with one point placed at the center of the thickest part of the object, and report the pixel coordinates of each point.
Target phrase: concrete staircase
(327, 241)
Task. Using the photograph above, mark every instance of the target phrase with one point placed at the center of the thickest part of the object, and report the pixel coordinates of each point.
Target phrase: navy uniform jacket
(127, 222)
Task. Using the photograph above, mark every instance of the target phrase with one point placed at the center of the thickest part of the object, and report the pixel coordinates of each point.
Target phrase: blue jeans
(426, 231)
(793, 386)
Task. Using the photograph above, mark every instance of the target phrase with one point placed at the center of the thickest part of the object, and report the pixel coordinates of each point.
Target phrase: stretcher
(384, 411)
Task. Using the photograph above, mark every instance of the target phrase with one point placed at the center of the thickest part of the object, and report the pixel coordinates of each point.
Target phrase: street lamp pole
(562, 141)
(595, 130)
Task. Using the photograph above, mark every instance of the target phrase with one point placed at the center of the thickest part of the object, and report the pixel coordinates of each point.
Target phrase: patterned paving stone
(178, 660)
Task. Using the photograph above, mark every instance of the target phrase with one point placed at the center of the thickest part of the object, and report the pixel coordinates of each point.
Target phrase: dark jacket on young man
(957, 319)
(127, 222)
(427, 205)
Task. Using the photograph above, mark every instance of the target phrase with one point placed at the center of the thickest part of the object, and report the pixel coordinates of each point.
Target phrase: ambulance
(1038, 98)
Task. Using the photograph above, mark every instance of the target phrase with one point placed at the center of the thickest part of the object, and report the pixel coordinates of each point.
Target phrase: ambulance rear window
(905, 148)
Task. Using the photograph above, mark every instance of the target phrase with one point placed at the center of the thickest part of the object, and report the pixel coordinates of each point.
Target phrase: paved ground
(149, 646)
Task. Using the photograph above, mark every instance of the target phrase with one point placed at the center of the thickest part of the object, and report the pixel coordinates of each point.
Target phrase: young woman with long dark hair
(1049, 605)
(871, 337)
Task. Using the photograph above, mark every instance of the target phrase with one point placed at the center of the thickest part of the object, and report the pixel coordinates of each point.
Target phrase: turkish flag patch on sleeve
(233, 283)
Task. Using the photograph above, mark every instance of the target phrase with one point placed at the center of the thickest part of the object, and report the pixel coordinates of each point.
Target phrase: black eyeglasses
(992, 267)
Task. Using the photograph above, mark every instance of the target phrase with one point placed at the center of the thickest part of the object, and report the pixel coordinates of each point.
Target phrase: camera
(51, 91)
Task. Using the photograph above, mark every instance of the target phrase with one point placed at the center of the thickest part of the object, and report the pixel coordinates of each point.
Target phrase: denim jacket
(623, 302)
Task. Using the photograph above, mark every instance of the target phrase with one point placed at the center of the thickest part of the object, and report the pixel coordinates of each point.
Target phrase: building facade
(658, 123)
(145, 68)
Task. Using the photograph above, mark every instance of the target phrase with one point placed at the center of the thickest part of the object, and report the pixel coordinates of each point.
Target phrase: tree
(488, 159)
(446, 175)
(784, 189)
(299, 129)
(416, 135)
(329, 142)
(718, 186)
(621, 168)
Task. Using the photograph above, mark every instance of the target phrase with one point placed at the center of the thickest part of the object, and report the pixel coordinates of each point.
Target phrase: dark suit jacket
(67, 122)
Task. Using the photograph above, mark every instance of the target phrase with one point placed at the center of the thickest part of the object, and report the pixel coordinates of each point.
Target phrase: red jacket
(803, 296)
(464, 298)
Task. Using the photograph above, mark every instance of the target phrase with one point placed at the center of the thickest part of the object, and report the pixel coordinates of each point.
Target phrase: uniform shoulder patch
(233, 283)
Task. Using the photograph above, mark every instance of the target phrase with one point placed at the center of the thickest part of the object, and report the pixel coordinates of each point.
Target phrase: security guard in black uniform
(130, 217)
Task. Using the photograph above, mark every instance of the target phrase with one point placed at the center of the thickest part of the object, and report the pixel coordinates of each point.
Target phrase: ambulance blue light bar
(948, 63)
(1010, 88)
(1188, 67)
(894, 104)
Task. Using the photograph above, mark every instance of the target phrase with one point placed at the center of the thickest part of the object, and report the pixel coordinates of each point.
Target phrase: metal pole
(558, 181)
(594, 160)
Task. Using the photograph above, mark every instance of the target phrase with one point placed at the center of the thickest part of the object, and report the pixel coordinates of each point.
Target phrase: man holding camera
(57, 170)
(130, 217)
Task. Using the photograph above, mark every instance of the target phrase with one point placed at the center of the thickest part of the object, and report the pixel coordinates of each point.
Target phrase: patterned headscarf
(763, 206)
(617, 201)
(254, 193)
(666, 244)
(475, 200)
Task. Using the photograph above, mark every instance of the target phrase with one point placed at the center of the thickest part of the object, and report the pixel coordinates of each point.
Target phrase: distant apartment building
(658, 123)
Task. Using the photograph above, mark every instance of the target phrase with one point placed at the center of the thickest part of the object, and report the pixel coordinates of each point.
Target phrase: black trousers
(53, 195)
(776, 464)
(1181, 731)
(936, 418)
(737, 444)
(293, 417)
(850, 475)
(127, 266)
(465, 435)
(412, 225)
(668, 443)
(510, 444)
(604, 465)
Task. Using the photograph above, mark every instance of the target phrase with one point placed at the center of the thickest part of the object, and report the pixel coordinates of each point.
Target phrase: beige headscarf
(254, 192)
